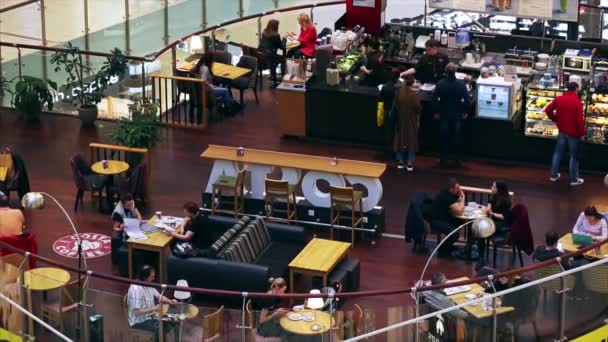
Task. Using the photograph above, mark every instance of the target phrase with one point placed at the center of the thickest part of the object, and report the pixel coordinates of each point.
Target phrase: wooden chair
(349, 199)
(136, 334)
(229, 186)
(555, 284)
(280, 190)
(57, 312)
(357, 320)
(596, 279)
(213, 325)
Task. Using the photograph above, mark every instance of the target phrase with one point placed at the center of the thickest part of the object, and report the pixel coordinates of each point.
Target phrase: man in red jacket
(567, 112)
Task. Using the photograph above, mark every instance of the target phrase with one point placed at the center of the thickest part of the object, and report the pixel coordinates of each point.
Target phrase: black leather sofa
(215, 273)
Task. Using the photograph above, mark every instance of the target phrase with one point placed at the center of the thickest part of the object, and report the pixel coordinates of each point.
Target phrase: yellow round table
(191, 313)
(45, 278)
(323, 319)
(114, 167)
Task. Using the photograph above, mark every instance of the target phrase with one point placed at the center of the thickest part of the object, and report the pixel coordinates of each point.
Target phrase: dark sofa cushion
(227, 237)
(277, 257)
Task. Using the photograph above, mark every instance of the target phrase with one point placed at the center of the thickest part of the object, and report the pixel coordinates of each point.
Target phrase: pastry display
(596, 118)
(537, 122)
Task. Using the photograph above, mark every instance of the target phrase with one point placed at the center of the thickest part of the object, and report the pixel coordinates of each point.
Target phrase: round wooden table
(190, 313)
(114, 167)
(45, 278)
(323, 319)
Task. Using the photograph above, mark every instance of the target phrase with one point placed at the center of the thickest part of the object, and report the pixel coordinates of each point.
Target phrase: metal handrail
(241, 294)
(15, 6)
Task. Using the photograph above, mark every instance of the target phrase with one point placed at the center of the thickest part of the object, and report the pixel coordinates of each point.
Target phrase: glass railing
(154, 30)
(543, 301)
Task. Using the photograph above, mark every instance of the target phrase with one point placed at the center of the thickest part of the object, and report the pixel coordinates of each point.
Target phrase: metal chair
(555, 284)
(86, 182)
(342, 198)
(596, 279)
(213, 325)
(229, 186)
(280, 190)
(249, 81)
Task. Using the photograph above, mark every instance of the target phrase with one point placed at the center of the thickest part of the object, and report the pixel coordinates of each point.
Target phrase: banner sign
(561, 10)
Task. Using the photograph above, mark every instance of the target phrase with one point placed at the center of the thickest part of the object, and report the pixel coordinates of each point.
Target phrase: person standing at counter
(408, 108)
(567, 112)
(431, 65)
(270, 43)
(452, 99)
(307, 38)
(373, 72)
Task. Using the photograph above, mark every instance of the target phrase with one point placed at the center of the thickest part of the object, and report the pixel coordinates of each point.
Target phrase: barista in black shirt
(431, 65)
(373, 70)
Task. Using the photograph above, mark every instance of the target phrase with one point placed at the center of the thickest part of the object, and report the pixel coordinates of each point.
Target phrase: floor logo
(93, 245)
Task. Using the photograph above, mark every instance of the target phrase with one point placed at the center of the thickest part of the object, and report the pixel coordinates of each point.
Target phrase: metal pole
(241, 9)
(143, 79)
(19, 61)
(173, 59)
(160, 314)
(417, 299)
(43, 34)
(87, 43)
(312, 14)
(562, 309)
(127, 29)
(85, 307)
(259, 28)
(204, 25)
(276, 3)
(166, 11)
(23, 296)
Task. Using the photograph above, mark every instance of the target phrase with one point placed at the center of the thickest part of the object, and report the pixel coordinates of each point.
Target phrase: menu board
(561, 10)
(493, 102)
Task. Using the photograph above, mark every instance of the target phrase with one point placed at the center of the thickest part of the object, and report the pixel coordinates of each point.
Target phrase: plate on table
(294, 317)
(307, 318)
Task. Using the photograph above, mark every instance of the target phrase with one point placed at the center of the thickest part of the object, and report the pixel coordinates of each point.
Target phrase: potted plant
(88, 92)
(31, 95)
(5, 86)
(141, 130)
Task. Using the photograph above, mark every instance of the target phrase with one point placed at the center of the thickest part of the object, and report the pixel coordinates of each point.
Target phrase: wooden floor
(179, 174)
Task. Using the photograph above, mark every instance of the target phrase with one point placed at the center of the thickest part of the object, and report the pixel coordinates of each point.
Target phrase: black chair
(251, 80)
(86, 180)
(223, 57)
(269, 61)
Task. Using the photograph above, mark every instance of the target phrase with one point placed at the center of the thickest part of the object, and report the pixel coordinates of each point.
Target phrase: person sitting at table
(446, 208)
(125, 208)
(12, 221)
(144, 301)
(270, 43)
(438, 300)
(194, 229)
(549, 250)
(591, 222)
(270, 313)
(204, 67)
(307, 39)
(499, 210)
(373, 71)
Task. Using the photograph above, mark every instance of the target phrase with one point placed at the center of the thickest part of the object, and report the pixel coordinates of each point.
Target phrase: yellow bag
(380, 114)
(6, 164)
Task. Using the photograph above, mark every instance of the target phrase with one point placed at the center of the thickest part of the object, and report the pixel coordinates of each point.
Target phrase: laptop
(582, 239)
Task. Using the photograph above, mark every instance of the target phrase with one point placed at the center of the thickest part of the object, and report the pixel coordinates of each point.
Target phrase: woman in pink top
(591, 222)
(307, 38)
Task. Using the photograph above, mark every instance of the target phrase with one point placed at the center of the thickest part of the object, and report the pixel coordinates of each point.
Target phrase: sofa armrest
(286, 233)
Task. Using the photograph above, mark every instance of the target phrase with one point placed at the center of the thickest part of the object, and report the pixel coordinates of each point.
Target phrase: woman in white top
(204, 70)
(591, 222)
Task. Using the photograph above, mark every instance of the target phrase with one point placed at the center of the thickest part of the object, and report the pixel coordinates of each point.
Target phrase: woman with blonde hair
(307, 38)
(269, 328)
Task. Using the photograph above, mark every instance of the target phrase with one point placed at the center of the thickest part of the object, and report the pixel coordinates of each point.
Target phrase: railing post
(204, 25)
(166, 12)
(243, 326)
(494, 319)
(562, 308)
(82, 305)
(276, 3)
(143, 79)
(260, 26)
(19, 61)
(417, 314)
(312, 14)
(127, 28)
(87, 43)
(23, 296)
(161, 333)
(43, 36)
(241, 9)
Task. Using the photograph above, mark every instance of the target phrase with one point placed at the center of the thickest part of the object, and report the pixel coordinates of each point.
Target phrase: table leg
(291, 284)
(130, 249)
(161, 265)
(325, 280)
(30, 307)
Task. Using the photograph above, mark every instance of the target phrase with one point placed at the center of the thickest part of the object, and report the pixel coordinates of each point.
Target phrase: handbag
(184, 249)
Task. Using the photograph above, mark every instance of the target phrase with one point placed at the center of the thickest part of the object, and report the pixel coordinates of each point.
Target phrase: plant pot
(87, 115)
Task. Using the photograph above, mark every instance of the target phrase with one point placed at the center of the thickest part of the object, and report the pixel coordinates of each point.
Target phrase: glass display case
(537, 122)
(596, 117)
(498, 99)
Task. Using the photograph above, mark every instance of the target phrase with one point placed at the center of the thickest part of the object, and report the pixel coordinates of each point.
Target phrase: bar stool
(277, 190)
(341, 199)
(229, 186)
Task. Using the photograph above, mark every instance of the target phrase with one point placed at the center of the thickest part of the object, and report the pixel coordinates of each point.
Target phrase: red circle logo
(93, 245)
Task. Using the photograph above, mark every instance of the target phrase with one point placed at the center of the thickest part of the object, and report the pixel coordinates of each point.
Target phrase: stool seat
(348, 197)
(234, 187)
(280, 191)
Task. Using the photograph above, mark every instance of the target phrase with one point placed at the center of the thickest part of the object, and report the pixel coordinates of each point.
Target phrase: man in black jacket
(452, 99)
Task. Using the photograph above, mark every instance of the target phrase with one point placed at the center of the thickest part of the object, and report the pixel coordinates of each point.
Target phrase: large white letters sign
(309, 183)
(311, 191)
